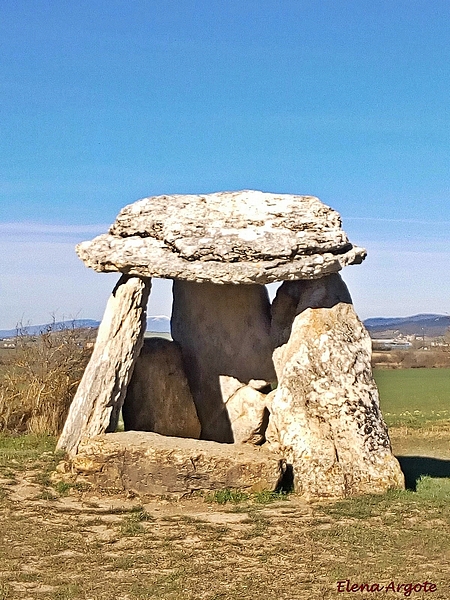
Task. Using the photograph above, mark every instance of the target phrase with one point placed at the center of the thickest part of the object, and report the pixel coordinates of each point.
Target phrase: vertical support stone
(158, 398)
(96, 406)
(224, 332)
(325, 414)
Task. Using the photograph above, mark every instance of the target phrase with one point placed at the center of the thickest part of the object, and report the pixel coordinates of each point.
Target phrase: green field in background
(414, 396)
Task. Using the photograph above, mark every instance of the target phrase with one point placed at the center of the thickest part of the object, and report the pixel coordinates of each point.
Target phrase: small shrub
(435, 489)
(131, 525)
(139, 513)
(227, 495)
(266, 496)
(38, 385)
(63, 487)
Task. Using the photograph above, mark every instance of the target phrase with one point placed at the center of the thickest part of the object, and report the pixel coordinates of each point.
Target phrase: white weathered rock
(158, 398)
(292, 298)
(249, 415)
(99, 397)
(223, 330)
(226, 237)
(325, 411)
(230, 385)
(148, 463)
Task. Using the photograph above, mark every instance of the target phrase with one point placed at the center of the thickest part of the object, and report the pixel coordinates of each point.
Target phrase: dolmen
(247, 394)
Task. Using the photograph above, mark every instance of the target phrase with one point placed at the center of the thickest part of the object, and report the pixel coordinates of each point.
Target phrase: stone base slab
(147, 463)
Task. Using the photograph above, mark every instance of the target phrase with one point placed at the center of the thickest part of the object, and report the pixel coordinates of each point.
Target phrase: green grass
(16, 450)
(226, 495)
(414, 397)
(431, 494)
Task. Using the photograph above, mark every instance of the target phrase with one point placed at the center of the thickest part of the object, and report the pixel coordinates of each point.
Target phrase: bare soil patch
(80, 546)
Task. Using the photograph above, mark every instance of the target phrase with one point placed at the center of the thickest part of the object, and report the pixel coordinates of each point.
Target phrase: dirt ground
(58, 544)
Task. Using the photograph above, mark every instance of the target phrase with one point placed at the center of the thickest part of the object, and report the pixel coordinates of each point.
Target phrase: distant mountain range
(430, 325)
(157, 324)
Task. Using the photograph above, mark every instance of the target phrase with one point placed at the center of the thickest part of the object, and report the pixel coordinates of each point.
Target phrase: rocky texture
(325, 415)
(292, 298)
(150, 464)
(249, 415)
(223, 330)
(99, 397)
(226, 237)
(158, 397)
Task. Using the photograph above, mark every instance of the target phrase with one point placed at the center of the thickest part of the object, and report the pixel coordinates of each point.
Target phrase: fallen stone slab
(147, 463)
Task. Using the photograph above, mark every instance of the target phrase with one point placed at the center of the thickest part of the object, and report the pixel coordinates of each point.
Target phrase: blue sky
(105, 102)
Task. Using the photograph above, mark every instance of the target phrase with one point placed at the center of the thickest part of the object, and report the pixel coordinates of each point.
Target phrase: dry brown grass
(58, 544)
(39, 381)
(411, 359)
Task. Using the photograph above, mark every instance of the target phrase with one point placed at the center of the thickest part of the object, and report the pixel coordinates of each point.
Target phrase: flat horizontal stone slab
(151, 464)
(226, 237)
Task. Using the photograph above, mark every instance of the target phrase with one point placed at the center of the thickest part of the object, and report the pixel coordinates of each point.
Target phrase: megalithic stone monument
(292, 380)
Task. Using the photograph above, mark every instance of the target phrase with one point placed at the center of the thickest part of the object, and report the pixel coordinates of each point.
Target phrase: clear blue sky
(107, 101)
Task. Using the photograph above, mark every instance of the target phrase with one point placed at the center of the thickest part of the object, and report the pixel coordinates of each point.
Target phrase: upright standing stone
(223, 330)
(158, 397)
(96, 406)
(325, 412)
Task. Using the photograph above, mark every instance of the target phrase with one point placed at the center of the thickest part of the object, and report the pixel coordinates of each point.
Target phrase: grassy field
(58, 543)
(414, 397)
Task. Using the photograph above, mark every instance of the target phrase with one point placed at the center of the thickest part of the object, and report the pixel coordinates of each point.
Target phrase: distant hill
(57, 326)
(157, 324)
(430, 325)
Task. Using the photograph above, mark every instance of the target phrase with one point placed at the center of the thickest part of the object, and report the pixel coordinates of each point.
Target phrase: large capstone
(325, 414)
(226, 237)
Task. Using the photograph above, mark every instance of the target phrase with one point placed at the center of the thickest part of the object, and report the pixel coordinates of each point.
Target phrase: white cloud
(409, 221)
(42, 275)
(45, 228)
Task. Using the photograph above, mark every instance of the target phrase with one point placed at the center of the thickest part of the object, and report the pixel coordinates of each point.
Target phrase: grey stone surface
(158, 398)
(325, 414)
(249, 415)
(150, 464)
(226, 237)
(292, 298)
(223, 331)
(100, 395)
